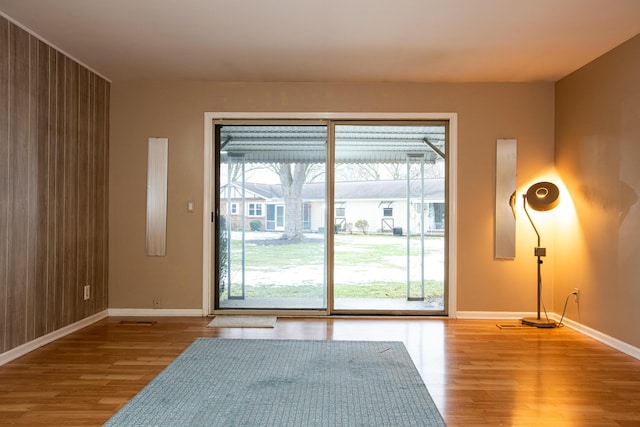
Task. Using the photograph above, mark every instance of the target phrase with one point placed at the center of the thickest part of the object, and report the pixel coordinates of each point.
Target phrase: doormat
(235, 321)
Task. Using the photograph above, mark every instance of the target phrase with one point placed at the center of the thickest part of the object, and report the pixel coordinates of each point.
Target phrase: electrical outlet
(87, 292)
(576, 295)
(156, 302)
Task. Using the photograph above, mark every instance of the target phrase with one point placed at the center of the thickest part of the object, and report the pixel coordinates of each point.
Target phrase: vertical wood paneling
(32, 191)
(89, 306)
(83, 189)
(105, 190)
(54, 120)
(60, 163)
(101, 197)
(52, 196)
(43, 190)
(18, 184)
(70, 232)
(4, 175)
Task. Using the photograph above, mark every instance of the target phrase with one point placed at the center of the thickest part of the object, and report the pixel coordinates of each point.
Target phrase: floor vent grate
(137, 322)
(514, 326)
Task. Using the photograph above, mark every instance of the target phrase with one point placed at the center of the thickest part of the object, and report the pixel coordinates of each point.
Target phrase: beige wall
(598, 157)
(142, 109)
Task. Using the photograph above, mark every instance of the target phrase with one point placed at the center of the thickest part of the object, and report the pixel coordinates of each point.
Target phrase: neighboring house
(382, 204)
(252, 204)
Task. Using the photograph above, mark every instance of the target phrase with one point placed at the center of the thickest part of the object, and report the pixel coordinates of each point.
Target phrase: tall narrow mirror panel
(158, 156)
(505, 219)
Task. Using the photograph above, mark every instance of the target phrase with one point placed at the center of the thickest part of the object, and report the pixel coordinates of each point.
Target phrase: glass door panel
(388, 191)
(271, 251)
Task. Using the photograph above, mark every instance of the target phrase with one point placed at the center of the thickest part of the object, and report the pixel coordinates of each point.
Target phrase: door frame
(209, 199)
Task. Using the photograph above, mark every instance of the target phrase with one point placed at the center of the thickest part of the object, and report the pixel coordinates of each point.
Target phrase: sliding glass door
(271, 255)
(389, 186)
(341, 217)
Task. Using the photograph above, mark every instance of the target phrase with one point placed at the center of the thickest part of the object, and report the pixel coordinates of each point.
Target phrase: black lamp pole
(539, 252)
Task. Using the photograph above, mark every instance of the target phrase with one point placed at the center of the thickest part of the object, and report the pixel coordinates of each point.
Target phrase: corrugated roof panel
(354, 143)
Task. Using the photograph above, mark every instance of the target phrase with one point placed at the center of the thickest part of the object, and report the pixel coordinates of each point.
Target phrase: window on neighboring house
(387, 211)
(234, 208)
(341, 212)
(255, 209)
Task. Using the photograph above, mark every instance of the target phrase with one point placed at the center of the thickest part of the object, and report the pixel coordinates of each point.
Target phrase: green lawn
(366, 266)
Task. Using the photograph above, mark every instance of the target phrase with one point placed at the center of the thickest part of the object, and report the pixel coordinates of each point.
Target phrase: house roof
(383, 190)
(331, 40)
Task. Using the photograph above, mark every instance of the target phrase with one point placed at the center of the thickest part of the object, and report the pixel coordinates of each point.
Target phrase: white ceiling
(331, 40)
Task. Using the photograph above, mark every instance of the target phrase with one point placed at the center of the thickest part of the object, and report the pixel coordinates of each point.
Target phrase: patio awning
(354, 143)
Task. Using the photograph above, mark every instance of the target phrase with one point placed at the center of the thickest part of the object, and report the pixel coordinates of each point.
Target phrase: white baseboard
(17, 352)
(585, 330)
(156, 312)
(20, 351)
(603, 338)
(492, 315)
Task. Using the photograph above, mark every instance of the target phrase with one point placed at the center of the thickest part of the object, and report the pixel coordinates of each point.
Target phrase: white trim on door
(207, 206)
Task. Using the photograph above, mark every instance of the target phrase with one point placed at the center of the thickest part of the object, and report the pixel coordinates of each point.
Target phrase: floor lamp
(542, 196)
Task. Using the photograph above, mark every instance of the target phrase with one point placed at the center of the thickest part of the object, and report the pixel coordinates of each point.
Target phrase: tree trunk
(292, 182)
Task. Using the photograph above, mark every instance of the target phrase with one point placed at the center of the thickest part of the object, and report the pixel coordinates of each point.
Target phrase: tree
(292, 178)
(385, 171)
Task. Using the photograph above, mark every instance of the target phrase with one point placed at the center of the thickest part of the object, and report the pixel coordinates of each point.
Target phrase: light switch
(191, 206)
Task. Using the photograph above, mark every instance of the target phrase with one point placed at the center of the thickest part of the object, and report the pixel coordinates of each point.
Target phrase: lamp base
(538, 323)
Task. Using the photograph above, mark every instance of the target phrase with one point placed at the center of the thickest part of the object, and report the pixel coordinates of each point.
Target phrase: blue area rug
(280, 383)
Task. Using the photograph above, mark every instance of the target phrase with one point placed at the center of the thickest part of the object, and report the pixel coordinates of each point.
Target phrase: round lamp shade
(543, 196)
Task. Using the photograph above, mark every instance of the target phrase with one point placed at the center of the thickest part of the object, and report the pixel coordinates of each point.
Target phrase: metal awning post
(422, 228)
(228, 225)
(408, 227)
(411, 157)
(231, 157)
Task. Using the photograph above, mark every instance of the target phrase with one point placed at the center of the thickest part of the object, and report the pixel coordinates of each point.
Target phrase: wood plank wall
(54, 142)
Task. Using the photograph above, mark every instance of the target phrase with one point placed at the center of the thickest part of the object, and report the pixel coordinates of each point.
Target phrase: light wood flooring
(478, 374)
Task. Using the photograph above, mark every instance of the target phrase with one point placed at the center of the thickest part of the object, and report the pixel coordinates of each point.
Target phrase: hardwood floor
(476, 373)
